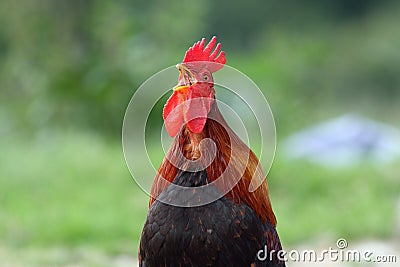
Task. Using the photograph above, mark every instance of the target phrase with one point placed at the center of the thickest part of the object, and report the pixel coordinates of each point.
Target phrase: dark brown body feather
(221, 233)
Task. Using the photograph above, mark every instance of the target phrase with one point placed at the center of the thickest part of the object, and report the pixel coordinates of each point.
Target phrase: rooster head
(192, 98)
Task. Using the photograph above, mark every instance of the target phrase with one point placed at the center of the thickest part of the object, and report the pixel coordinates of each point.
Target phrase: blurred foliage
(77, 63)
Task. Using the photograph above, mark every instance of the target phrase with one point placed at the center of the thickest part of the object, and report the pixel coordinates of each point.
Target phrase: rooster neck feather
(244, 166)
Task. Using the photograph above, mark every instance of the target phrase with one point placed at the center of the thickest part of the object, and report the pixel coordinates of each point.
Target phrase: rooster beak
(183, 89)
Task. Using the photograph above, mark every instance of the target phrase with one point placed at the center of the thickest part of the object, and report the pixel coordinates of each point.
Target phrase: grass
(73, 189)
(69, 190)
(353, 203)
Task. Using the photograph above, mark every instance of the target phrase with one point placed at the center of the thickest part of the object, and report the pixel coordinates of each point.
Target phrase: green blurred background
(69, 68)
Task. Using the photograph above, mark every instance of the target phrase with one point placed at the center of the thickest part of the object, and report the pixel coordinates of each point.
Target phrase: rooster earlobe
(173, 114)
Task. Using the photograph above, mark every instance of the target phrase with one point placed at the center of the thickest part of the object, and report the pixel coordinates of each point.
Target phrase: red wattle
(197, 109)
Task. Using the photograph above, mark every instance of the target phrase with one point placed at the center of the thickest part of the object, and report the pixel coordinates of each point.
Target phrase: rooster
(227, 230)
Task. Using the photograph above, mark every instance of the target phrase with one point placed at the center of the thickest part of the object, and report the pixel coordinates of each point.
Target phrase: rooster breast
(221, 233)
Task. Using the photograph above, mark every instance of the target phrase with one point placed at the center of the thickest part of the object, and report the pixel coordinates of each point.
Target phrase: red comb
(200, 53)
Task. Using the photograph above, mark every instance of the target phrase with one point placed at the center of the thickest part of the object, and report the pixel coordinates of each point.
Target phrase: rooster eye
(205, 77)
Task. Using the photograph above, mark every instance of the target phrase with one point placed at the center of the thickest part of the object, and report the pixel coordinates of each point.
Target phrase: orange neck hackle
(242, 159)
